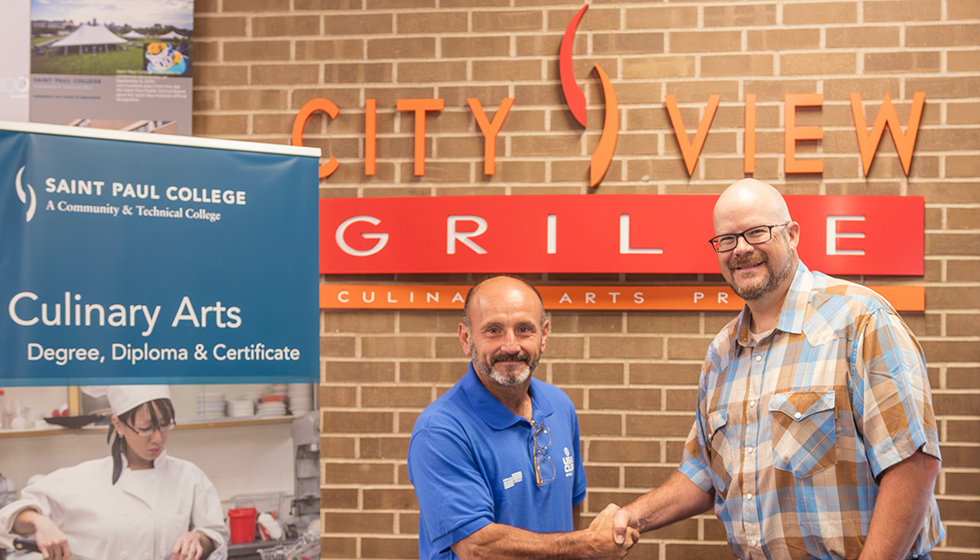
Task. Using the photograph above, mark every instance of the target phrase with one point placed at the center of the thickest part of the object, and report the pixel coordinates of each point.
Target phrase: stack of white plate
(242, 407)
(271, 408)
(211, 405)
(300, 398)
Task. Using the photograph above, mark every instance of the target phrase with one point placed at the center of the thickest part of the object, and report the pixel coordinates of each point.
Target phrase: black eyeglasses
(544, 467)
(753, 236)
(147, 432)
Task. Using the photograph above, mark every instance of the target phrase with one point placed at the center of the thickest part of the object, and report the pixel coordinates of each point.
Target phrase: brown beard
(486, 369)
(772, 280)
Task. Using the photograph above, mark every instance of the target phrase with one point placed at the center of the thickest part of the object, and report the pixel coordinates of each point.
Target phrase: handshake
(613, 533)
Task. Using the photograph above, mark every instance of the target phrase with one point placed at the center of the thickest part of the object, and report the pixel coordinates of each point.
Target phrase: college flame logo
(23, 195)
(575, 99)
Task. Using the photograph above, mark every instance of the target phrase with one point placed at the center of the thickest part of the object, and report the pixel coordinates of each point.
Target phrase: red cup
(241, 521)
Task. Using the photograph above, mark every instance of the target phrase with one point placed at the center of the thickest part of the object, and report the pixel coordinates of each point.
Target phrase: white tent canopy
(172, 35)
(88, 35)
(134, 35)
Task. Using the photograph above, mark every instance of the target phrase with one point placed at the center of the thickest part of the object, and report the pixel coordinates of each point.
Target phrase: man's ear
(793, 231)
(464, 338)
(545, 330)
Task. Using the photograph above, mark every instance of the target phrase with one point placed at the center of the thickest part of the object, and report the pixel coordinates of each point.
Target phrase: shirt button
(750, 450)
(798, 415)
(751, 404)
(753, 542)
(758, 357)
(748, 497)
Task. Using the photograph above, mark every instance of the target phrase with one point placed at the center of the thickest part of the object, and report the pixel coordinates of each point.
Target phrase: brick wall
(632, 375)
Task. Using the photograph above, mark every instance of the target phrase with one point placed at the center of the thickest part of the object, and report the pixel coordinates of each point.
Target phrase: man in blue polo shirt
(495, 461)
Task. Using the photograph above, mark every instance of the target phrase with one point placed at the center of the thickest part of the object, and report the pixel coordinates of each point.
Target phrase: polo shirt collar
(792, 316)
(492, 411)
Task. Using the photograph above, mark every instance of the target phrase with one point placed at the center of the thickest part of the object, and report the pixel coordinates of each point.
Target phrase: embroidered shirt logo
(513, 479)
(569, 462)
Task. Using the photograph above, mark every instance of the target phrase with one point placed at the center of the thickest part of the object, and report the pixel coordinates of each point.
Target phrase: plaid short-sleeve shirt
(792, 429)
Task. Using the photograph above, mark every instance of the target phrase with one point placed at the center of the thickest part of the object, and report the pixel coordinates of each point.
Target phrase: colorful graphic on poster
(122, 65)
(137, 258)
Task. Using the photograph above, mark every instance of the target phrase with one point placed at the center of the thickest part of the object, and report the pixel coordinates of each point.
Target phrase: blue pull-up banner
(138, 258)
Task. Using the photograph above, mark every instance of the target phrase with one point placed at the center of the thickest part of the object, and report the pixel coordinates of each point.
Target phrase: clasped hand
(607, 544)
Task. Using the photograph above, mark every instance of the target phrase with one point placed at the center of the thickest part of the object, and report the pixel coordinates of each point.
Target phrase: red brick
(389, 547)
(741, 16)
(250, 51)
(220, 126)
(432, 22)
(591, 373)
(660, 425)
(623, 451)
(812, 13)
(902, 11)
(627, 398)
(395, 397)
(942, 35)
(817, 63)
(335, 25)
(336, 547)
(218, 27)
(962, 9)
(379, 447)
(357, 422)
(783, 39)
(705, 41)
(253, 6)
(858, 37)
(285, 26)
(513, 21)
(956, 404)
(389, 498)
(360, 472)
(661, 17)
(356, 522)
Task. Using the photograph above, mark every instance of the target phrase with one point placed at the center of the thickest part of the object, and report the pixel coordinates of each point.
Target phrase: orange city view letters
(690, 149)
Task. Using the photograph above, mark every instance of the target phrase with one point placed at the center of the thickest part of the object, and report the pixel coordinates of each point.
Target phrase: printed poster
(123, 65)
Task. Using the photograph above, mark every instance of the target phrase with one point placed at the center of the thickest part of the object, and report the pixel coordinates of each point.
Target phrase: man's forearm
(677, 499)
(506, 542)
(904, 495)
(503, 542)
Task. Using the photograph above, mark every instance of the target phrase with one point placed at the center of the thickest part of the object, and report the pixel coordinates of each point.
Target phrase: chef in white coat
(137, 504)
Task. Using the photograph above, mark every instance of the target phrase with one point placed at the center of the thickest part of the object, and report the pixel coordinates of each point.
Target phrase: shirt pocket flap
(801, 404)
(717, 419)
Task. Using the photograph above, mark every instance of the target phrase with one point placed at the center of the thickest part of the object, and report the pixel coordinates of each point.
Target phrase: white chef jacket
(138, 518)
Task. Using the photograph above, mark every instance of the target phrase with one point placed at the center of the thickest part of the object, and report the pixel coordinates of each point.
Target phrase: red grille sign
(661, 234)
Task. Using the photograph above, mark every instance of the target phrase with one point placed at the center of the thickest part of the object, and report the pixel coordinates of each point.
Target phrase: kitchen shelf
(191, 424)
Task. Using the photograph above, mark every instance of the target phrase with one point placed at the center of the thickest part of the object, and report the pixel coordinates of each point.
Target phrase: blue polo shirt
(471, 462)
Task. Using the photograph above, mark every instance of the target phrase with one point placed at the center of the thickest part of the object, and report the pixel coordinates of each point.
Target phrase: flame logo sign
(23, 195)
(575, 99)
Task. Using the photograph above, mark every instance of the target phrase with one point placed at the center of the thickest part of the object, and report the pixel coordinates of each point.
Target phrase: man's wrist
(577, 544)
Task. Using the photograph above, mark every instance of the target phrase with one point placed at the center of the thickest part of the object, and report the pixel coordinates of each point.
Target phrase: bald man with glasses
(495, 461)
(814, 433)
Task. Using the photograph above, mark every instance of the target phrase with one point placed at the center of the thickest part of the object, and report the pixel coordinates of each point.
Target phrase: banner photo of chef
(128, 258)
